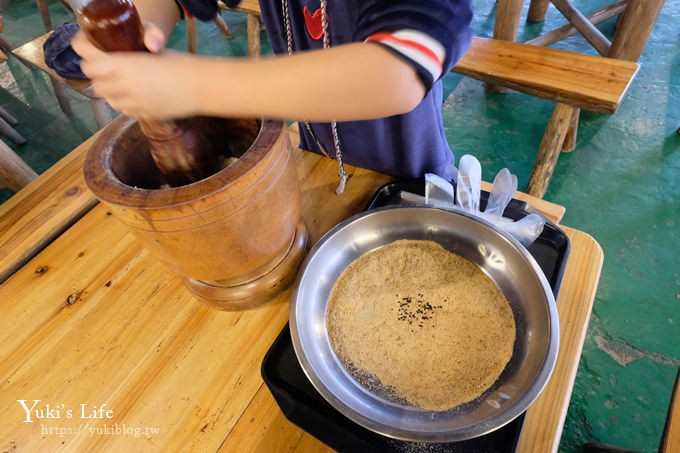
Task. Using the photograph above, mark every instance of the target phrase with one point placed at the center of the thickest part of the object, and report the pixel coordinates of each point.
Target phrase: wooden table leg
(508, 13)
(634, 28)
(549, 151)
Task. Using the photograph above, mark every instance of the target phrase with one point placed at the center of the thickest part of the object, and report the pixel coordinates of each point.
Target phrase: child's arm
(349, 82)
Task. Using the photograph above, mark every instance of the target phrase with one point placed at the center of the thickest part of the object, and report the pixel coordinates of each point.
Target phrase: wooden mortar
(237, 237)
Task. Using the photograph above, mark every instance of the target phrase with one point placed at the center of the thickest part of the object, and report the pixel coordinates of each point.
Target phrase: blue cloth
(60, 56)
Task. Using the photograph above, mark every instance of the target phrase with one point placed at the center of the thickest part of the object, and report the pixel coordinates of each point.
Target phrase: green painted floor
(621, 185)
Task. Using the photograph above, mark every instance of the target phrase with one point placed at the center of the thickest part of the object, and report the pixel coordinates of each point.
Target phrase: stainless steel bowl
(508, 263)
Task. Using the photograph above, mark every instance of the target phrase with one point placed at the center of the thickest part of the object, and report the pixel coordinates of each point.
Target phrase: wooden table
(94, 325)
(637, 20)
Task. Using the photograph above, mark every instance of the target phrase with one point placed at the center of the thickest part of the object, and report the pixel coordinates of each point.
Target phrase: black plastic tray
(306, 408)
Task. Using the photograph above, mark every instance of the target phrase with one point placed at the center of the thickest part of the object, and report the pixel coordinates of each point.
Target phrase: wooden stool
(635, 23)
(32, 53)
(14, 172)
(572, 80)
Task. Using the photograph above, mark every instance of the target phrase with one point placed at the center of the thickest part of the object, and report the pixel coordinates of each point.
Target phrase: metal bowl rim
(495, 422)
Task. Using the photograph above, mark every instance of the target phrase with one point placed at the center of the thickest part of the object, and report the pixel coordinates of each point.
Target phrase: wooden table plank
(42, 210)
(542, 428)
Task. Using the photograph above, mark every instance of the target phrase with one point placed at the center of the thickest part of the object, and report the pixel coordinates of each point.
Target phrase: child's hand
(139, 84)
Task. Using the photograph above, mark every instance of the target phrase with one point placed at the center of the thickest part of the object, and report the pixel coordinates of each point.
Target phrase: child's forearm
(351, 82)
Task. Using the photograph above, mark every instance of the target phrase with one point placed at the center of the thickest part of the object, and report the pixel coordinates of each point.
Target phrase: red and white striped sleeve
(425, 52)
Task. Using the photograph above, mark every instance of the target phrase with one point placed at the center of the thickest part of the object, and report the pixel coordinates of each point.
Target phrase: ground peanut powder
(429, 325)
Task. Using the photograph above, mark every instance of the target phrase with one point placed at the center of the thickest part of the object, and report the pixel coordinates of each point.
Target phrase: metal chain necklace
(334, 125)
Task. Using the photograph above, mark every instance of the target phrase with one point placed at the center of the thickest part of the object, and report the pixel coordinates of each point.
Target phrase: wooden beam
(597, 17)
(588, 30)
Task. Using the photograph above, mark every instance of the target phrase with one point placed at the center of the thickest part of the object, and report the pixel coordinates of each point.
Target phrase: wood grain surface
(34, 216)
(585, 81)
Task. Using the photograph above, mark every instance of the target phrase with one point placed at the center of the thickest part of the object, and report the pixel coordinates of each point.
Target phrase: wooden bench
(33, 55)
(572, 80)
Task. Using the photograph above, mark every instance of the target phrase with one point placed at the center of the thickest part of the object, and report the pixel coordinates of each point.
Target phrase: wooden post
(253, 29)
(549, 151)
(537, 10)
(192, 34)
(14, 172)
(634, 28)
(507, 19)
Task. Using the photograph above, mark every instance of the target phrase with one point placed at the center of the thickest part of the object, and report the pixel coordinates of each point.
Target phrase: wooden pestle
(179, 147)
